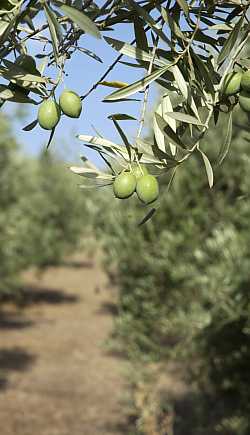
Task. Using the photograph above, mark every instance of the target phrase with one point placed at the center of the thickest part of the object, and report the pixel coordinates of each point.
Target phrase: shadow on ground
(9, 321)
(32, 295)
(109, 308)
(14, 359)
(78, 264)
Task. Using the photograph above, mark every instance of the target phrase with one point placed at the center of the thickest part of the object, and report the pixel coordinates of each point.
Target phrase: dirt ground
(56, 376)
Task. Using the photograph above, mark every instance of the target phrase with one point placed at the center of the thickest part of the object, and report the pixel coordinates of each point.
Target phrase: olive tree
(193, 49)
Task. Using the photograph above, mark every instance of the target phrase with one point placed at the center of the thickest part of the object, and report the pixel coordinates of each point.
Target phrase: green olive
(231, 84)
(70, 104)
(244, 100)
(49, 114)
(124, 185)
(147, 188)
(245, 81)
(139, 171)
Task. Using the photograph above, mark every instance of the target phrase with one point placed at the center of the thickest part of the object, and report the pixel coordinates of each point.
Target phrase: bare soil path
(56, 378)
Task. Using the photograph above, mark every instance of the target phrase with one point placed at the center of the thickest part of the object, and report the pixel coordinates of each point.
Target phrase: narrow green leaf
(140, 34)
(150, 21)
(121, 117)
(204, 72)
(175, 29)
(54, 29)
(147, 217)
(30, 126)
(168, 107)
(168, 132)
(134, 52)
(208, 167)
(123, 137)
(139, 85)
(180, 81)
(226, 144)
(81, 19)
(230, 41)
(159, 136)
(51, 137)
(183, 117)
(115, 84)
(14, 72)
(184, 6)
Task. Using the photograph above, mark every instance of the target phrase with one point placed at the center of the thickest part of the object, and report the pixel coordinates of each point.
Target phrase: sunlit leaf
(134, 52)
(114, 84)
(230, 41)
(183, 117)
(226, 144)
(180, 81)
(208, 167)
(150, 21)
(184, 6)
(54, 28)
(137, 86)
(81, 19)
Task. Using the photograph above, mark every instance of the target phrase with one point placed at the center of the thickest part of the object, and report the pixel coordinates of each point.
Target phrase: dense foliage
(193, 50)
(184, 283)
(42, 215)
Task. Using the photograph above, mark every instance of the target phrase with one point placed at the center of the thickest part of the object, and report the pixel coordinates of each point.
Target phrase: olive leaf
(54, 28)
(183, 117)
(150, 21)
(134, 52)
(208, 167)
(226, 144)
(139, 85)
(121, 117)
(230, 42)
(81, 19)
(184, 6)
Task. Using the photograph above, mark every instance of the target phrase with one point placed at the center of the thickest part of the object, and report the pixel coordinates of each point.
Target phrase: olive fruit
(147, 188)
(139, 171)
(27, 63)
(49, 114)
(245, 81)
(244, 100)
(124, 185)
(231, 84)
(70, 104)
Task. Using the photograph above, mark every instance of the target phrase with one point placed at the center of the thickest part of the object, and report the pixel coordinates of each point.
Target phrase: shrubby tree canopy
(193, 49)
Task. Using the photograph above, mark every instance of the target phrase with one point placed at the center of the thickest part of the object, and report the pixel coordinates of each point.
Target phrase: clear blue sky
(82, 73)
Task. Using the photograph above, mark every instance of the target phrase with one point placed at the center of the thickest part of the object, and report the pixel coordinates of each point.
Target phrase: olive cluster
(137, 179)
(49, 112)
(238, 82)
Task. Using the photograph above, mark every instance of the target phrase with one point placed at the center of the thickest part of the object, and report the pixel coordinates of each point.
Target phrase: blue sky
(82, 73)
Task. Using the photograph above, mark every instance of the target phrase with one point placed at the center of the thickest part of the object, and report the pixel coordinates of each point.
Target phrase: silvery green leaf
(208, 167)
(159, 136)
(134, 52)
(81, 19)
(230, 41)
(184, 6)
(139, 85)
(183, 117)
(226, 144)
(150, 21)
(168, 107)
(182, 85)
